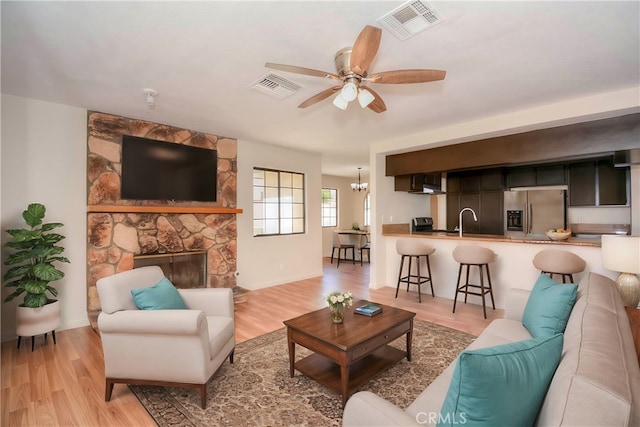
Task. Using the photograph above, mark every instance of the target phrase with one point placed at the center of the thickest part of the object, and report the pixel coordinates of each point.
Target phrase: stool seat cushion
(471, 254)
(558, 261)
(414, 247)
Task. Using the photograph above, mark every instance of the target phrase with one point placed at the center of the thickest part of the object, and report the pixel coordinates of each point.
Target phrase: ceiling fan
(352, 65)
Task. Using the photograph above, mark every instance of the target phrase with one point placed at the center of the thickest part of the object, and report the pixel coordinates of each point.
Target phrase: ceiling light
(359, 186)
(340, 102)
(349, 91)
(365, 98)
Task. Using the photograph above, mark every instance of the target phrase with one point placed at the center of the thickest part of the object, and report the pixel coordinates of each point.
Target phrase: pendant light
(359, 186)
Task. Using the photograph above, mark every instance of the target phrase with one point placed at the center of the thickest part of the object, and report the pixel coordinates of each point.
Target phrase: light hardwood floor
(63, 384)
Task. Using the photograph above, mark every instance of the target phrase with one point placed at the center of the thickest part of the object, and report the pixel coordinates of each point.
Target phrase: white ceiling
(202, 57)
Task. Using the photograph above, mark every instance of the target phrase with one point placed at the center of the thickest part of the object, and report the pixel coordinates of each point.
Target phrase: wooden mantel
(161, 209)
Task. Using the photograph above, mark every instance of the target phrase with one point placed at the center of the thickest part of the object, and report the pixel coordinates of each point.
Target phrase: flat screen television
(156, 170)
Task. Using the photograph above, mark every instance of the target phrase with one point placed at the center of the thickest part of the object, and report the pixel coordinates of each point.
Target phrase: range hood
(428, 189)
(430, 183)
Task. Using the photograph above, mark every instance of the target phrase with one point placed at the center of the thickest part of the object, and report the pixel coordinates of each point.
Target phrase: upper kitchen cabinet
(613, 184)
(416, 183)
(582, 184)
(598, 183)
(536, 176)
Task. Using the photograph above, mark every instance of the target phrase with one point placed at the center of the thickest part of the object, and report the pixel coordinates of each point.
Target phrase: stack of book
(369, 309)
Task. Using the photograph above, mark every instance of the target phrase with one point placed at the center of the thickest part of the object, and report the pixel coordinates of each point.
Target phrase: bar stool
(414, 248)
(467, 256)
(563, 263)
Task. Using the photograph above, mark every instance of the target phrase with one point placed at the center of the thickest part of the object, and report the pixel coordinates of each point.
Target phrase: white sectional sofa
(597, 382)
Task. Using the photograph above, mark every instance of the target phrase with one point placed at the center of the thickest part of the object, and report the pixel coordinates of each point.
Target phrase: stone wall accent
(114, 238)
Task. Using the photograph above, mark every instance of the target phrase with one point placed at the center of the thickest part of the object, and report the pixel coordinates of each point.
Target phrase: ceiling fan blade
(301, 70)
(320, 96)
(377, 104)
(365, 49)
(407, 76)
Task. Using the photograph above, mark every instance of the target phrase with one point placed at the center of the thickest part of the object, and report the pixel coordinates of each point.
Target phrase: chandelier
(359, 186)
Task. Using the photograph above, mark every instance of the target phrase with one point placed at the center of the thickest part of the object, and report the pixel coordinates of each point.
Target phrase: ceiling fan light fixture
(349, 91)
(365, 98)
(340, 102)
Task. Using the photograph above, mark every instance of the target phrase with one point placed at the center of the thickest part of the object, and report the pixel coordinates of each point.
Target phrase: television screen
(156, 170)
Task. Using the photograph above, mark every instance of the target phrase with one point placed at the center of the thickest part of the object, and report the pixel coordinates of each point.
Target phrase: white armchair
(179, 348)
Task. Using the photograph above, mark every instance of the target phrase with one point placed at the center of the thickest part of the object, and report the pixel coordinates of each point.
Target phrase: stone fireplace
(120, 230)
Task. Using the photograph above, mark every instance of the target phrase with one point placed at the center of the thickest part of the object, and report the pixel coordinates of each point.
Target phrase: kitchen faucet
(475, 218)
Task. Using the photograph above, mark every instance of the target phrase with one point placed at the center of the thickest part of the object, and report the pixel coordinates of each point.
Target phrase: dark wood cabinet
(492, 179)
(470, 183)
(491, 212)
(612, 184)
(597, 183)
(551, 175)
(453, 208)
(453, 183)
(403, 183)
(536, 176)
(415, 182)
(481, 191)
(522, 177)
(582, 181)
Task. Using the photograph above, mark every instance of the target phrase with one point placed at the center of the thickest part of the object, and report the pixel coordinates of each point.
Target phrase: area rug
(258, 391)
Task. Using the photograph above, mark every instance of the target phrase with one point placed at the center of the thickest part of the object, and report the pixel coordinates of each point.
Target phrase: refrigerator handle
(525, 218)
(530, 218)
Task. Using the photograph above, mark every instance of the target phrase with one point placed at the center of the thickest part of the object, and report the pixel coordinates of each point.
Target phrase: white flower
(344, 299)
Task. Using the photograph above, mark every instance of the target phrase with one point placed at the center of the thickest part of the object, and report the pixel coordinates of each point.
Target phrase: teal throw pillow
(503, 385)
(161, 296)
(549, 306)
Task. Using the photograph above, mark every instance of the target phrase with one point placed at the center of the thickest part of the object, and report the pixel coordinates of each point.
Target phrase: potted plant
(34, 252)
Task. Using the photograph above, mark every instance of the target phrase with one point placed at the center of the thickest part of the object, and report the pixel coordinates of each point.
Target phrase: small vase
(337, 313)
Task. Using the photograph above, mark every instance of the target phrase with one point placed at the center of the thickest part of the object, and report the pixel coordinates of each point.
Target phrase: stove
(422, 223)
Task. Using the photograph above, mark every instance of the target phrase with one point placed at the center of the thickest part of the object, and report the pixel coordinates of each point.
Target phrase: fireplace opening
(184, 269)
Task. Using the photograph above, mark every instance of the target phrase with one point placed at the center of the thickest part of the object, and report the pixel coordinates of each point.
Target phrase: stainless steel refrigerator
(531, 211)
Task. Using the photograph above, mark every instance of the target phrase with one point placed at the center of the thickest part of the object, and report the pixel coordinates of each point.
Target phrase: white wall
(271, 260)
(44, 160)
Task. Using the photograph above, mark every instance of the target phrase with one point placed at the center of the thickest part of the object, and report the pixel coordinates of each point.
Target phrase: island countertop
(572, 241)
(513, 267)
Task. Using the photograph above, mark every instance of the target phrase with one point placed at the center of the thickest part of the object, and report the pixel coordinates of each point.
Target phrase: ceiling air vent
(410, 19)
(276, 86)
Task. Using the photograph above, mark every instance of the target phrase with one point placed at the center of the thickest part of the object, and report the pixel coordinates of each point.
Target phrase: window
(278, 202)
(329, 207)
(367, 210)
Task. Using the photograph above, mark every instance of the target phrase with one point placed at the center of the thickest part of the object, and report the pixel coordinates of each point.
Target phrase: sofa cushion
(549, 306)
(502, 385)
(161, 296)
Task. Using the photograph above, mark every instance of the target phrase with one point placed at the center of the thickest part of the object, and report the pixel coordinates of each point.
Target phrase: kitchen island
(513, 267)
(542, 240)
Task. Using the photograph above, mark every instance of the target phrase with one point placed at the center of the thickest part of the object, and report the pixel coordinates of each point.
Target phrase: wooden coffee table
(347, 355)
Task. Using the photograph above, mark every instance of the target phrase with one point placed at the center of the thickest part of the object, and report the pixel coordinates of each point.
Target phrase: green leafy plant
(35, 250)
